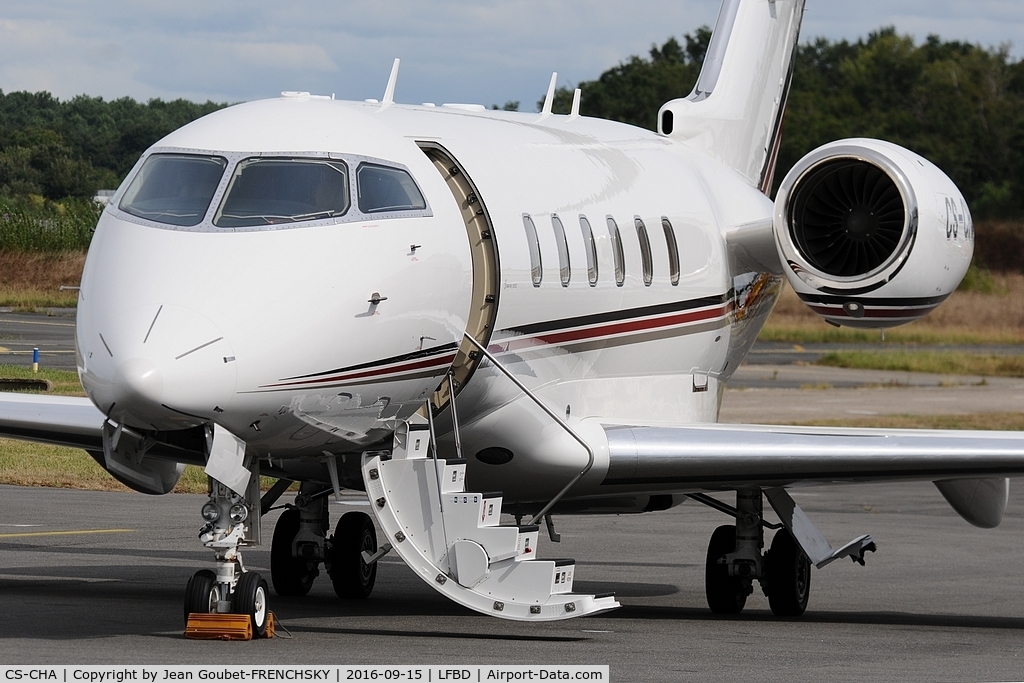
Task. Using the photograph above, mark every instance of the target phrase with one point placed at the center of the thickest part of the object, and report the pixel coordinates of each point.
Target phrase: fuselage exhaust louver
(847, 217)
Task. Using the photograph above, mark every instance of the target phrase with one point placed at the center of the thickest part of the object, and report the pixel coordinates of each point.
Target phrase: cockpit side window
(383, 189)
(269, 191)
(175, 189)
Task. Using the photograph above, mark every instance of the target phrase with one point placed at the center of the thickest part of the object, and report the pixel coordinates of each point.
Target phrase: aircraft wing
(728, 456)
(148, 464)
(61, 420)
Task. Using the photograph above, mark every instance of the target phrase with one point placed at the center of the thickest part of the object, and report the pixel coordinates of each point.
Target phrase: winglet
(550, 97)
(389, 92)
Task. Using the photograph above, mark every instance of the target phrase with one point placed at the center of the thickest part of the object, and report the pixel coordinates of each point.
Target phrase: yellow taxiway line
(26, 534)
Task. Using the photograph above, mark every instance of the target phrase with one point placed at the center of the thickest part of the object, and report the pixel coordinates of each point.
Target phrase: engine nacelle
(871, 234)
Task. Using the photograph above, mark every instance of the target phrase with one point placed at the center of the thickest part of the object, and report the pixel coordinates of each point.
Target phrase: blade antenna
(389, 92)
(575, 112)
(550, 97)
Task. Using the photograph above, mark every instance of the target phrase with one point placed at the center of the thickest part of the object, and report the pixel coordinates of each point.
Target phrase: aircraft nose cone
(158, 367)
(139, 379)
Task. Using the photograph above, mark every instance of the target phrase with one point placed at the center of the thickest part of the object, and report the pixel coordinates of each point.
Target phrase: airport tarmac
(98, 578)
(53, 333)
(90, 577)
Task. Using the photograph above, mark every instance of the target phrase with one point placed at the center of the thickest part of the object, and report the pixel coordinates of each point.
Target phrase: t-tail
(735, 111)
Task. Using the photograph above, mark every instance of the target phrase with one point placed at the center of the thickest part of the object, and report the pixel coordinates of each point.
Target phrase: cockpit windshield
(174, 188)
(383, 189)
(267, 191)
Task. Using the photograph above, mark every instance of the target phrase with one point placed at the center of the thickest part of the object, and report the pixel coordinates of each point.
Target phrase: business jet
(435, 303)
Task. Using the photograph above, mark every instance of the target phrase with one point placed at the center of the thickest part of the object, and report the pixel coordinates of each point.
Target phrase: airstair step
(453, 478)
(453, 541)
(532, 582)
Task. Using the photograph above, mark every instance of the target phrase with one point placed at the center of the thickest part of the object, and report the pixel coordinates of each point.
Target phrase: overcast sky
(482, 51)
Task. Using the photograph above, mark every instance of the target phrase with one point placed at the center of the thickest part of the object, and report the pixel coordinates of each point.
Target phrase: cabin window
(383, 189)
(673, 251)
(270, 191)
(588, 243)
(564, 271)
(175, 189)
(645, 250)
(617, 256)
(533, 243)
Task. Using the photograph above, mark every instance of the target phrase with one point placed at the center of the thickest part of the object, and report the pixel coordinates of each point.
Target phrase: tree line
(960, 105)
(57, 150)
(957, 104)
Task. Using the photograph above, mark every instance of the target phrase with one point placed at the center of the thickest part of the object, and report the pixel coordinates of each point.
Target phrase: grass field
(988, 315)
(32, 279)
(940, 362)
(34, 464)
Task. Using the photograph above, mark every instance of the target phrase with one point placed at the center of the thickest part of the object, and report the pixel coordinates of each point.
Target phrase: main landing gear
(301, 544)
(735, 561)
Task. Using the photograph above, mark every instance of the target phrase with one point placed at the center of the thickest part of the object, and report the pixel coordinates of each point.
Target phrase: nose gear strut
(232, 522)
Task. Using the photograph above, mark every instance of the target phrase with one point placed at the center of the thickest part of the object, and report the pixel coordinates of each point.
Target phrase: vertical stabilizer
(734, 113)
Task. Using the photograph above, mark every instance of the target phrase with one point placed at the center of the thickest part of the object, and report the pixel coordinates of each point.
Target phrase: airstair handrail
(590, 451)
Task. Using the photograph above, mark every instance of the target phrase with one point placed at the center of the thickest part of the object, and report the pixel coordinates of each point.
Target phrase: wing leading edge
(715, 456)
(61, 420)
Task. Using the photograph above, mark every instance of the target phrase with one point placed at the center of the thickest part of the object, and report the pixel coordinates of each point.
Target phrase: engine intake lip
(841, 229)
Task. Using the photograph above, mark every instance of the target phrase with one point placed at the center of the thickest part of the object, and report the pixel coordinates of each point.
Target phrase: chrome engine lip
(800, 266)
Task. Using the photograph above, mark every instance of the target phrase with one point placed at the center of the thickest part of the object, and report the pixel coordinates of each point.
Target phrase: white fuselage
(270, 331)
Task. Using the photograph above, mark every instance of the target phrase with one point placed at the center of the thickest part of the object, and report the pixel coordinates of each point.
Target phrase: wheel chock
(212, 626)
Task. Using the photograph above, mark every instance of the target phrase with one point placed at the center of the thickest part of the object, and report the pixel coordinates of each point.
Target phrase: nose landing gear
(232, 521)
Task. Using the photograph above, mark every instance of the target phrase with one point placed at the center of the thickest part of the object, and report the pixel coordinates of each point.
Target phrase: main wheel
(201, 593)
(291, 576)
(726, 594)
(351, 575)
(789, 576)
(251, 598)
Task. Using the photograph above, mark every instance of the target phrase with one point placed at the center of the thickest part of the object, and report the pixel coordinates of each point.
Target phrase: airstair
(453, 538)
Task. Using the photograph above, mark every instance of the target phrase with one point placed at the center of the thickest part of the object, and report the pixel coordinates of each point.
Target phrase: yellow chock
(271, 628)
(208, 626)
(202, 626)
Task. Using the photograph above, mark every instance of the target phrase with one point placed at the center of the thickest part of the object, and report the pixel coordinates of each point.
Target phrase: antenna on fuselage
(550, 97)
(389, 92)
(574, 113)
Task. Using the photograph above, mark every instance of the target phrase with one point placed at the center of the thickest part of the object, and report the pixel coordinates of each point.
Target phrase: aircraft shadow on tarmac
(56, 604)
(647, 612)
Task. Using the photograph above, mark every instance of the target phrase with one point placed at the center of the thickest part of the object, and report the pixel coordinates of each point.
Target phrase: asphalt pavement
(53, 333)
(98, 578)
(92, 577)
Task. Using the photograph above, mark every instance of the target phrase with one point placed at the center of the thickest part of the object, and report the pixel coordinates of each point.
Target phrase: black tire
(789, 576)
(351, 576)
(250, 598)
(291, 576)
(726, 594)
(199, 593)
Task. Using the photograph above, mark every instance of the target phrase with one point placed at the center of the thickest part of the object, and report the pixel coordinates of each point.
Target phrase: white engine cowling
(871, 234)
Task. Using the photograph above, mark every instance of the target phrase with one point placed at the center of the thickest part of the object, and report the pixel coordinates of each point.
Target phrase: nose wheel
(250, 598)
(201, 593)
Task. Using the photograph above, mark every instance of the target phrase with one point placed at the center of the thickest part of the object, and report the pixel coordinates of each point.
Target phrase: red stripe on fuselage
(442, 362)
(615, 329)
